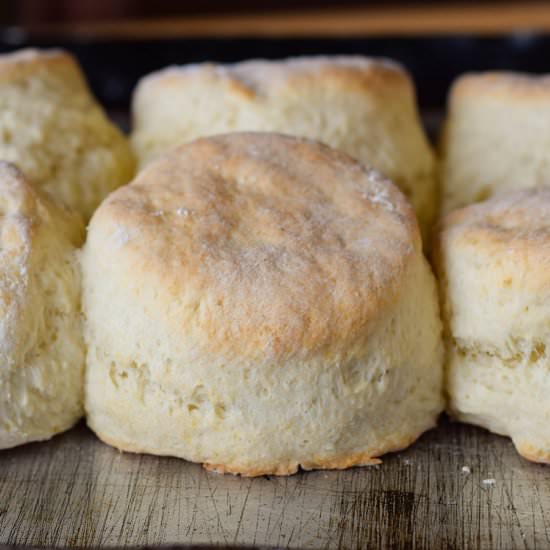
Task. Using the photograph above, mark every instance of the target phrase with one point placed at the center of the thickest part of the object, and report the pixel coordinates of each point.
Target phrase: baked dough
(256, 303)
(54, 130)
(363, 107)
(493, 260)
(41, 343)
(496, 137)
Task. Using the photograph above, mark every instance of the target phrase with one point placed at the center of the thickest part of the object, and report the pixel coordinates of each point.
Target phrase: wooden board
(378, 20)
(76, 491)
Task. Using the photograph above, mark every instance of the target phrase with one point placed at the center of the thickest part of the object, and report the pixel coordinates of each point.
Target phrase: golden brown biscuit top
(261, 77)
(52, 74)
(503, 85)
(511, 227)
(275, 240)
(29, 62)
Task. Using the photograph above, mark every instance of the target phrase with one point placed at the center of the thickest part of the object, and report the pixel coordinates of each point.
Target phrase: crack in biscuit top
(275, 242)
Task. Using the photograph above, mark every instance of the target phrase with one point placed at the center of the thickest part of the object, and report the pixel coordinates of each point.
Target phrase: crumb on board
(466, 470)
(489, 481)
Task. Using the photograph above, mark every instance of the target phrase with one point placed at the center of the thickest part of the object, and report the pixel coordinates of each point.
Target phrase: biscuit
(258, 302)
(52, 128)
(41, 343)
(493, 262)
(496, 137)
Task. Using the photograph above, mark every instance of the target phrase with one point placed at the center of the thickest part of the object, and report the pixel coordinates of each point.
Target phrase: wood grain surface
(76, 491)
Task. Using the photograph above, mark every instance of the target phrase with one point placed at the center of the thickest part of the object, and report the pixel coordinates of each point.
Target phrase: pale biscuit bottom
(508, 397)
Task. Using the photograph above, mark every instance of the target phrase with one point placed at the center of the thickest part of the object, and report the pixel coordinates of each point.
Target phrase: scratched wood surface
(76, 491)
